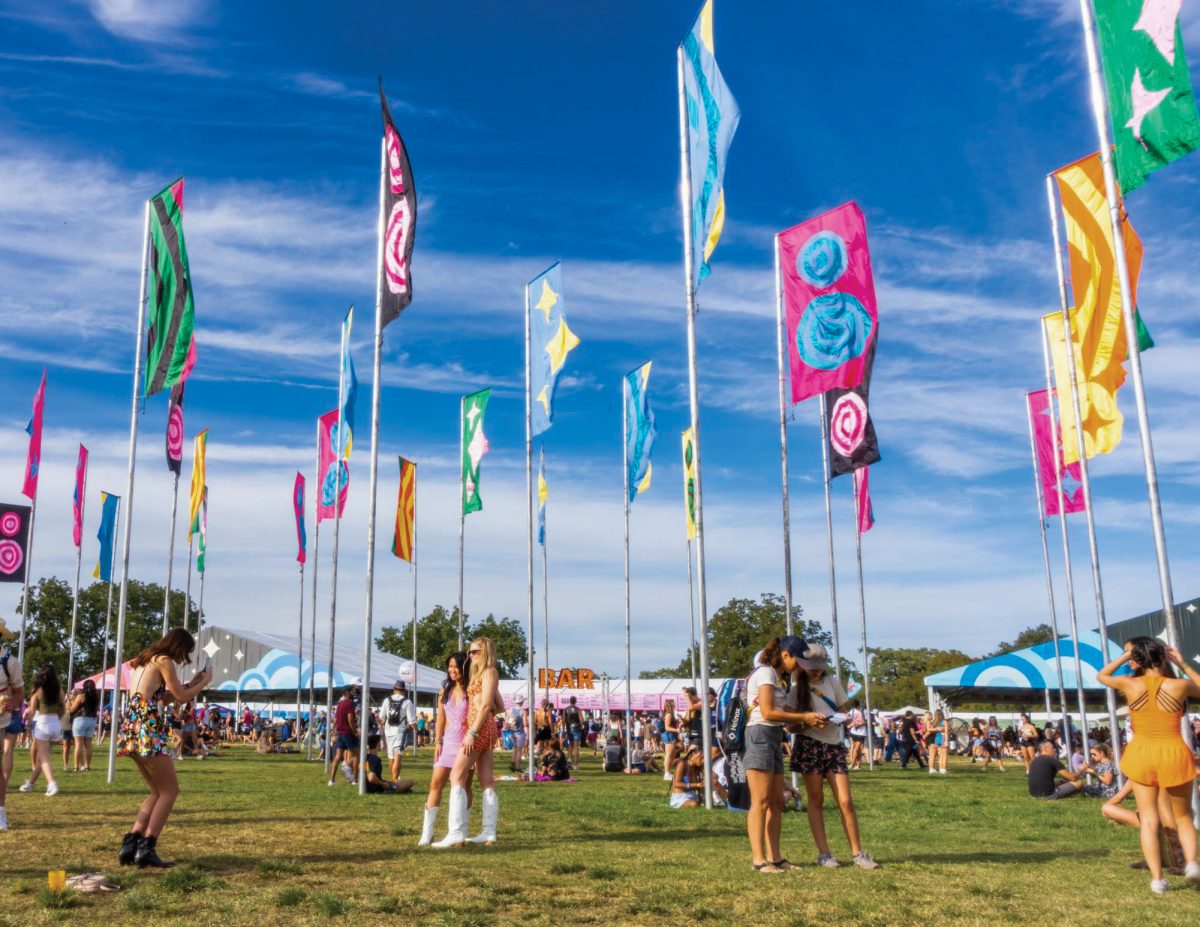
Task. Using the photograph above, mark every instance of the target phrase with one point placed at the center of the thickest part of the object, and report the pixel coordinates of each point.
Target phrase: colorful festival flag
(170, 344)
(331, 469)
(406, 507)
(201, 527)
(298, 510)
(689, 481)
(347, 385)
(852, 440)
(33, 460)
(1096, 321)
(550, 341)
(543, 494)
(639, 431)
(198, 481)
(175, 429)
(106, 535)
(81, 464)
(829, 293)
(862, 504)
(1049, 444)
(400, 220)
(14, 542)
(474, 446)
(712, 118)
(1150, 100)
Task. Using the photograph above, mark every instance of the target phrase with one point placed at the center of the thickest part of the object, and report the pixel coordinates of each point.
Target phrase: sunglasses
(474, 653)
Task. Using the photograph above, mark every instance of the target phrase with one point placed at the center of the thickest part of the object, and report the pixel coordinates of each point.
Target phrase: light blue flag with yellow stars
(550, 341)
(712, 118)
(639, 431)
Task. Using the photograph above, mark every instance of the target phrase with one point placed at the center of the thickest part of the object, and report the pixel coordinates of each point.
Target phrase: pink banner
(33, 462)
(829, 293)
(327, 456)
(1048, 442)
(298, 509)
(862, 493)
(80, 489)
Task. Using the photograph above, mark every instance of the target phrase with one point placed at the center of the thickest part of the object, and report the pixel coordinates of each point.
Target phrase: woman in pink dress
(451, 724)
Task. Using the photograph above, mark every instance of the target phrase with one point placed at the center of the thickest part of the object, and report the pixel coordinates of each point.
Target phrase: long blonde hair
(487, 655)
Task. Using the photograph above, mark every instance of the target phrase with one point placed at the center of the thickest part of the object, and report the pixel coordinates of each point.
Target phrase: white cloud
(154, 21)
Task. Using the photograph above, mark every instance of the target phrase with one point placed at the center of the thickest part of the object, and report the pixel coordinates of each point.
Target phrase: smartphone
(838, 718)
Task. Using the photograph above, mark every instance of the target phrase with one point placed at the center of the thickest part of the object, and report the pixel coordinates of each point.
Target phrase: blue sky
(538, 132)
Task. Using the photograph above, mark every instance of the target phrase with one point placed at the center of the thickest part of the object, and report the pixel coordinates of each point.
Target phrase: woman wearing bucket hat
(820, 755)
(766, 694)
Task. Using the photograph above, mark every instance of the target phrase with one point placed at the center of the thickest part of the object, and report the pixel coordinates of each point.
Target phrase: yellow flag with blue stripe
(639, 431)
(550, 341)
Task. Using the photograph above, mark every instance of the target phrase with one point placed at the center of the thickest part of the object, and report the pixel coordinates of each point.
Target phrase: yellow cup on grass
(57, 879)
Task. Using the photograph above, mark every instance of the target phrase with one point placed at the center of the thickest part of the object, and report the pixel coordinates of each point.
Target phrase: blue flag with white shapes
(347, 386)
(639, 431)
(550, 341)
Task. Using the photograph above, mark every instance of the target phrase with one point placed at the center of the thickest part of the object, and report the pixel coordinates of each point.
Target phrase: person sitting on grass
(686, 777)
(376, 784)
(554, 766)
(1044, 768)
(614, 755)
(1103, 769)
(637, 763)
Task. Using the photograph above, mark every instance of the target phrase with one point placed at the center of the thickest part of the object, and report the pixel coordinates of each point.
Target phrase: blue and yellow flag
(712, 118)
(550, 341)
(639, 431)
(543, 492)
(108, 528)
(347, 386)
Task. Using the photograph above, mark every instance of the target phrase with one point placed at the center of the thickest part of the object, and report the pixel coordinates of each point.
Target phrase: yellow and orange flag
(406, 507)
(1097, 328)
(199, 479)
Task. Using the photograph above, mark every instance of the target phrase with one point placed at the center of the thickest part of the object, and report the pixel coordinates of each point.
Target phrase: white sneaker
(828, 861)
(347, 772)
(864, 861)
(666, 777)
(932, 771)
(942, 771)
(3, 819)
(52, 790)
(331, 782)
(26, 787)
(1191, 873)
(1159, 886)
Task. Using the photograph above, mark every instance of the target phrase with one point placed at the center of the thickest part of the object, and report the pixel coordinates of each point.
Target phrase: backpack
(395, 717)
(732, 713)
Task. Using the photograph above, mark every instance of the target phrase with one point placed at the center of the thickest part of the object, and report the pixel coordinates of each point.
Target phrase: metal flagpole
(545, 598)
(692, 612)
(187, 590)
(75, 601)
(312, 646)
(126, 533)
(337, 523)
(528, 524)
(1084, 478)
(833, 609)
(171, 551)
(300, 659)
(1062, 526)
(372, 493)
(462, 510)
(28, 565)
(200, 604)
(625, 471)
(689, 263)
(1041, 513)
(416, 667)
(862, 615)
(783, 444)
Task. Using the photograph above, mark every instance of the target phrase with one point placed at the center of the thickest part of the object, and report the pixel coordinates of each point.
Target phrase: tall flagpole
(1093, 549)
(783, 444)
(1062, 526)
(1100, 111)
(369, 619)
(416, 667)
(1041, 513)
(462, 511)
(200, 604)
(625, 471)
(300, 659)
(312, 646)
(75, 601)
(171, 551)
(833, 608)
(691, 610)
(112, 565)
(545, 598)
(126, 534)
(862, 616)
(689, 263)
(337, 524)
(187, 589)
(528, 521)
(28, 565)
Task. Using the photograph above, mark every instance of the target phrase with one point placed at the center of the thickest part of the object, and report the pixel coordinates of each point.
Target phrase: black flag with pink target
(175, 429)
(852, 441)
(14, 542)
(399, 220)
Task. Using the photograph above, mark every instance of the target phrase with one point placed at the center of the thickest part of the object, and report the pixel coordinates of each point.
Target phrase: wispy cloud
(154, 21)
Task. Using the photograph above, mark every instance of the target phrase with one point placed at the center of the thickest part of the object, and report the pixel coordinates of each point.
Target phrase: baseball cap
(797, 646)
(817, 658)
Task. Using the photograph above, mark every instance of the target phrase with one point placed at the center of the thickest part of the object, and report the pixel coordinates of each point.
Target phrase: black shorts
(346, 742)
(543, 734)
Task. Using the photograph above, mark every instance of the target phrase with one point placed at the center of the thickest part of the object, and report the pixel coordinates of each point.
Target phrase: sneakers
(331, 782)
(1159, 886)
(932, 771)
(348, 773)
(3, 819)
(863, 861)
(942, 771)
(26, 787)
(828, 861)
(666, 777)
(52, 790)
(1191, 872)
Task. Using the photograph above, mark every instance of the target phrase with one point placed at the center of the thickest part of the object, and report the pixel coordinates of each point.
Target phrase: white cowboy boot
(491, 811)
(427, 827)
(456, 836)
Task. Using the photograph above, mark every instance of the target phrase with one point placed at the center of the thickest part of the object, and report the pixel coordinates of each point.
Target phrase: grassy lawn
(266, 842)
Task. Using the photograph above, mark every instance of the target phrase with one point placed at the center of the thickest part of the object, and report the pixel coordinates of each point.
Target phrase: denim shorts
(764, 748)
(84, 727)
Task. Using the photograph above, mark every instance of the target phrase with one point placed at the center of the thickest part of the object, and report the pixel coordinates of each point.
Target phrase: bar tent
(644, 694)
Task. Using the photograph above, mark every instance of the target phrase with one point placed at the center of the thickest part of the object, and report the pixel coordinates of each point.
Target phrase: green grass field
(263, 841)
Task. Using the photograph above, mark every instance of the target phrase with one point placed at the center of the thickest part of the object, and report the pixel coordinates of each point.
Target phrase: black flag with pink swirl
(175, 429)
(852, 441)
(399, 220)
(14, 542)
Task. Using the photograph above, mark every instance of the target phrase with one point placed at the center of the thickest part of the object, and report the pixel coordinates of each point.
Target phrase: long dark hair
(177, 644)
(459, 659)
(91, 699)
(45, 680)
(1149, 653)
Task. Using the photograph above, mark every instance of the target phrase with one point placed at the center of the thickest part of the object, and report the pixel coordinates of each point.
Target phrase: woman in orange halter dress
(1158, 759)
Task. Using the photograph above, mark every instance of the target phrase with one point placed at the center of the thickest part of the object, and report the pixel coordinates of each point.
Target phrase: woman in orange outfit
(1158, 759)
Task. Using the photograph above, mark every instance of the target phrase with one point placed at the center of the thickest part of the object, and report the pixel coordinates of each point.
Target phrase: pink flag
(829, 293)
(80, 489)
(862, 501)
(298, 505)
(33, 463)
(1048, 440)
(327, 485)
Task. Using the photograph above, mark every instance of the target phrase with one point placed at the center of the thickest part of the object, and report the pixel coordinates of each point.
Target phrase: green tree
(898, 673)
(512, 647)
(1038, 634)
(437, 639)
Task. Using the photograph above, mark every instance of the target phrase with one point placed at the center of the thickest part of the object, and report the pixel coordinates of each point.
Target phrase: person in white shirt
(820, 755)
(12, 694)
(399, 725)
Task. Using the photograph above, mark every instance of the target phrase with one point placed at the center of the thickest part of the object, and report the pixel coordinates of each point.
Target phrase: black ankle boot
(129, 845)
(146, 855)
